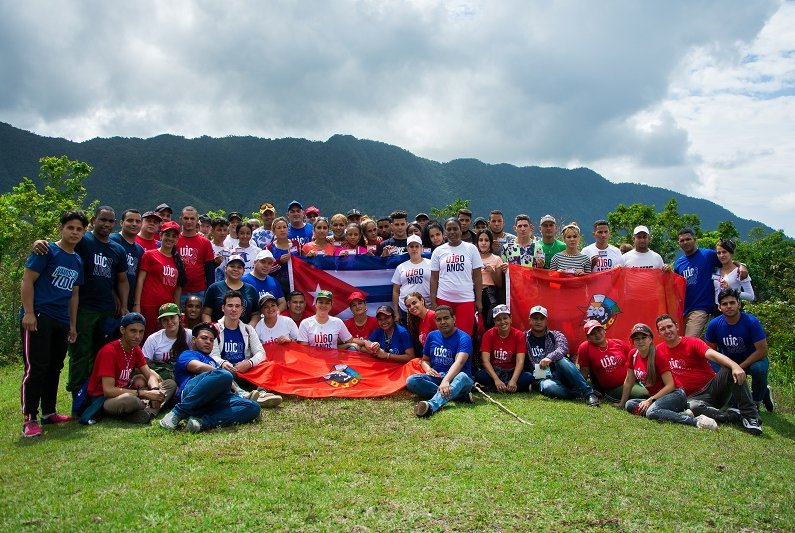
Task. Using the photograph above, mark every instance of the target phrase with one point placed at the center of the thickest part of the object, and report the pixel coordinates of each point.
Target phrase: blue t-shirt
(697, 269)
(264, 285)
(234, 348)
(214, 299)
(59, 272)
(181, 374)
(442, 350)
(735, 341)
(397, 344)
(134, 252)
(102, 262)
(300, 236)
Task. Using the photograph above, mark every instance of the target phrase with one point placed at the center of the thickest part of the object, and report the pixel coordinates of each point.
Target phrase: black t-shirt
(399, 246)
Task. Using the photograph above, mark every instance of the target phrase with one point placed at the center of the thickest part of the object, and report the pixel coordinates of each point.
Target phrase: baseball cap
(132, 318)
(164, 207)
(479, 220)
(212, 328)
(422, 215)
(234, 258)
(152, 214)
(169, 225)
(264, 208)
(264, 254)
(322, 293)
(354, 213)
(234, 214)
(640, 327)
(591, 325)
(265, 297)
(548, 218)
(356, 295)
(538, 309)
(312, 209)
(641, 229)
(413, 239)
(295, 202)
(168, 309)
(499, 310)
(385, 310)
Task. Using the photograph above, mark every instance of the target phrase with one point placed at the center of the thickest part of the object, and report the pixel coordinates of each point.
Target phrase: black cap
(164, 207)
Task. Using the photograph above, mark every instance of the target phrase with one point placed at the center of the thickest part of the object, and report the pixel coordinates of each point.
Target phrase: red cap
(591, 325)
(165, 226)
(356, 295)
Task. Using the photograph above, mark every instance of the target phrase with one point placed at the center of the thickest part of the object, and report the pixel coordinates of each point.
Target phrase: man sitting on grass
(445, 360)
(503, 354)
(605, 361)
(131, 389)
(205, 391)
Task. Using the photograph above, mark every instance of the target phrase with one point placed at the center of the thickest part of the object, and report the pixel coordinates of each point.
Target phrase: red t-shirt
(195, 251)
(661, 364)
(112, 362)
(161, 278)
(502, 352)
(364, 331)
(689, 363)
(147, 244)
(427, 325)
(608, 365)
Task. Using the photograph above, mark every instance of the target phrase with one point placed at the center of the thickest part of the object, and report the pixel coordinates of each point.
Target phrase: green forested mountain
(239, 173)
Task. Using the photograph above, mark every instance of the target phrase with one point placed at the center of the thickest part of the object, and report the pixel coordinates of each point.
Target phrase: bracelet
(251, 363)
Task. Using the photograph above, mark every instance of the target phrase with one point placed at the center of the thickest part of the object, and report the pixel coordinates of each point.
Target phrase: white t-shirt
(609, 258)
(249, 255)
(455, 265)
(650, 259)
(285, 326)
(223, 252)
(325, 335)
(411, 277)
(157, 347)
(230, 242)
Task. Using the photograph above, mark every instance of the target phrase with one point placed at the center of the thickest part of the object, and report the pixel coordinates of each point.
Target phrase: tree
(450, 210)
(27, 214)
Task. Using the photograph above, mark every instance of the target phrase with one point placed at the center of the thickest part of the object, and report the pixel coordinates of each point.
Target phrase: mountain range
(239, 173)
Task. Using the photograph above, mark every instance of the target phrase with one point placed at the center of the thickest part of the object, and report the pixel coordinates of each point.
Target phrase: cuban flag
(343, 275)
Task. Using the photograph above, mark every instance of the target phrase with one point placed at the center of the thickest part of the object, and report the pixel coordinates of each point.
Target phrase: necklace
(127, 355)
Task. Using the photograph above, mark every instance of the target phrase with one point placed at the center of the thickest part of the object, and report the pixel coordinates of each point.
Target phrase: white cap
(499, 310)
(641, 229)
(264, 254)
(235, 257)
(538, 309)
(413, 238)
(548, 218)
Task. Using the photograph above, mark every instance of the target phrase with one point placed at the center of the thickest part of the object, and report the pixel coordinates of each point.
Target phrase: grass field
(370, 465)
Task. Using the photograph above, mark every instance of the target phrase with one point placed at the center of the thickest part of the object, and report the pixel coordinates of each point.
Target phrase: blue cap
(132, 318)
(295, 202)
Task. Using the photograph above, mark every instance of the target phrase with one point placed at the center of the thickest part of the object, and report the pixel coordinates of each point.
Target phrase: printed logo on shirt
(102, 266)
(189, 255)
(603, 263)
(640, 375)
(455, 263)
(132, 265)
(64, 278)
(537, 353)
(233, 351)
(733, 344)
(502, 355)
(324, 340)
(169, 276)
(610, 362)
(603, 309)
(690, 274)
(443, 355)
(414, 276)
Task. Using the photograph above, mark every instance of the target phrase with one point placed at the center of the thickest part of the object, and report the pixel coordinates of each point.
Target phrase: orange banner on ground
(618, 298)
(321, 372)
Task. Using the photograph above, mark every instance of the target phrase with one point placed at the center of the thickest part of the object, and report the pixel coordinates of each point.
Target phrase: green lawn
(363, 465)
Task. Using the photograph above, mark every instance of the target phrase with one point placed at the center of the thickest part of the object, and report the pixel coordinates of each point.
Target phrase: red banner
(321, 372)
(618, 298)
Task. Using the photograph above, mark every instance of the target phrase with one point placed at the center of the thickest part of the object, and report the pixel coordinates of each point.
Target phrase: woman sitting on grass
(667, 400)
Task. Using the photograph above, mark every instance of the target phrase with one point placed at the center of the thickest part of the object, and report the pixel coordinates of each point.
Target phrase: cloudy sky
(698, 97)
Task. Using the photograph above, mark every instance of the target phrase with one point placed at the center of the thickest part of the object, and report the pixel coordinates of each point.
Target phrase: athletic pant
(43, 354)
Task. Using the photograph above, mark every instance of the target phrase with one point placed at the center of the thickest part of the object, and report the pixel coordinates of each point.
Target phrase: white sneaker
(689, 413)
(268, 399)
(170, 421)
(705, 422)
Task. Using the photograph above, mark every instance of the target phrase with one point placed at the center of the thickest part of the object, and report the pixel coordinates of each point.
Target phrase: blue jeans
(522, 384)
(566, 382)
(427, 388)
(669, 408)
(209, 398)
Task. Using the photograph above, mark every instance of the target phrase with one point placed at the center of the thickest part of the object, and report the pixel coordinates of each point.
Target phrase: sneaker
(55, 418)
(193, 425)
(592, 400)
(752, 426)
(268, 399)
(423, 409)
(705, 422)
(768, 402)
(170, 421)
(689, 413)
(31, 428)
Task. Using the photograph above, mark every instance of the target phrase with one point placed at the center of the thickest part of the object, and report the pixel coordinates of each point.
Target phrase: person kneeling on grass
(207, 393)
(667, 400)
(131, 390)
(503, 353)
(446, 362)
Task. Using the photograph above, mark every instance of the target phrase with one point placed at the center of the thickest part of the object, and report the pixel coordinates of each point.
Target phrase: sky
(693, 96)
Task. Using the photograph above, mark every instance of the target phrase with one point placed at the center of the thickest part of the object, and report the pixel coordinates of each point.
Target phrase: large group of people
(174, 312)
